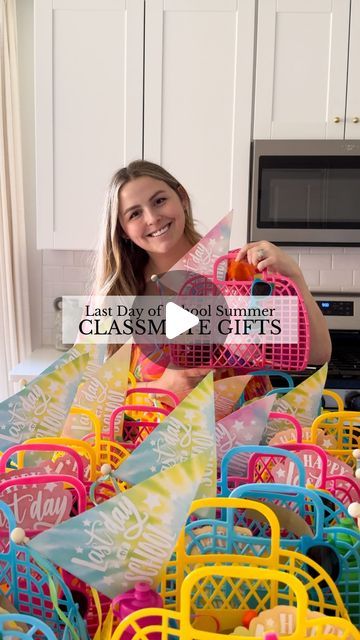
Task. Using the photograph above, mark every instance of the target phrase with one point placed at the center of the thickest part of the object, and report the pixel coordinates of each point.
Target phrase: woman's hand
(265, 255)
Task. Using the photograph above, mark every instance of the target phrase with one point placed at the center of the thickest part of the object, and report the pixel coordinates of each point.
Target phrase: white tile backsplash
(58, 257)
(315, 261)
(335, 269)
(336, 280)
(63, 273)
(69, 273)
(53, 274)
(312, 277)
(332, 250)
(76, 274)
(357, 279)
(83, 258)
(349, 261)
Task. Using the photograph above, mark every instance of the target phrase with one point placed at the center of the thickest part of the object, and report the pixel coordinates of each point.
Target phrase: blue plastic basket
(332, 544)
(263, 458)
(217, 540)
(35, 628)
(26, 584)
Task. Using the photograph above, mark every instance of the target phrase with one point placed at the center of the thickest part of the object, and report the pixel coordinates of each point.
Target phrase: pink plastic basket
(247, 357)
(345, 488)
(133, 432)
(74, 485)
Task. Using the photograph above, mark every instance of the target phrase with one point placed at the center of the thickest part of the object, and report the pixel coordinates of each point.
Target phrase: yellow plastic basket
(83, 448)
(225, 548)
(106, 451)
(343, 427)
(223, 594)
(335, 396)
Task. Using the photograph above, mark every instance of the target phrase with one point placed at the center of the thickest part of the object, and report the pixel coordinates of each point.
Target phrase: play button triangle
(178, 320)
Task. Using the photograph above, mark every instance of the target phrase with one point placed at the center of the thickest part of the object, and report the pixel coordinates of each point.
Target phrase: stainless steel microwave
(305, 192)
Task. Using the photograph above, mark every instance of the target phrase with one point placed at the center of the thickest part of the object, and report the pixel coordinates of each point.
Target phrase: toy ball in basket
(263, 323)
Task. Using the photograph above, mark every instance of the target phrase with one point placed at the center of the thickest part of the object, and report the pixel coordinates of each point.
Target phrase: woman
(148, 227)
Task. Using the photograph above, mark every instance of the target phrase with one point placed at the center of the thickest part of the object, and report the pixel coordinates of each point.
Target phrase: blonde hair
(119, 267)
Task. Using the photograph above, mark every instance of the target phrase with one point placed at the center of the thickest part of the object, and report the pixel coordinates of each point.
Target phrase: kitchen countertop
(37, 362)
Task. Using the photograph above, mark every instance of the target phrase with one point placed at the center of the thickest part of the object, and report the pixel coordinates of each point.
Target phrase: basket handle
(132, 407)
(35, 446)
(277, 415)
(150, 391)
(319, 451)
(74, 482)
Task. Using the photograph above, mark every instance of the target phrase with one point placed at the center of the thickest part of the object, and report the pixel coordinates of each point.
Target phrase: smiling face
(152, 215)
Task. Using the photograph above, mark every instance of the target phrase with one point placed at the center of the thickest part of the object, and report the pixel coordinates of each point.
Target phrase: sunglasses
(261, 288)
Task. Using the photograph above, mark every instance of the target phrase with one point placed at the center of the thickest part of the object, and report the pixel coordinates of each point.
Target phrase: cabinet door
(301, 68)
(352, 129)
(198, 101)
(88, 79)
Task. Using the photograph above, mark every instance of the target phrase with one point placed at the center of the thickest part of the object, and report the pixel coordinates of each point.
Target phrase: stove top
(342, 313)
(345, 358)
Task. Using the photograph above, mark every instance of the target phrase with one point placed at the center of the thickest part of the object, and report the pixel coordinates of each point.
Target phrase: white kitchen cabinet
(352, 129)
(303, 88)
(198, 101)
(88, 86)
(184, 102)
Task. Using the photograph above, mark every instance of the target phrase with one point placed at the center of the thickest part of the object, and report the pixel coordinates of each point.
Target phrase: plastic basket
(107, 451)
(26, 585)
(343, 487)
(250, 356)
(263, 464)
(80, 489)
(148, 396)
(226, 544)
(60, 446)
(259, 462)
(34, 628)
(86, 471)
(342, 543)
(344, 428)
(339, 402)
(133, 432)
(223, 594)
(269, 372)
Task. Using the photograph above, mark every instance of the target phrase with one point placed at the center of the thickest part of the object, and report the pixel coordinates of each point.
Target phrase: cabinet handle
(355, 120)
(337, 119)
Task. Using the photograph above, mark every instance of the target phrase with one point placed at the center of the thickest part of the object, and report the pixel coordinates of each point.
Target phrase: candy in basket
(216, 601)
(256, 351)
